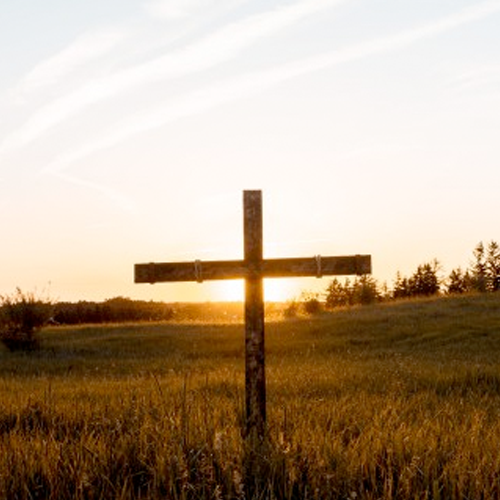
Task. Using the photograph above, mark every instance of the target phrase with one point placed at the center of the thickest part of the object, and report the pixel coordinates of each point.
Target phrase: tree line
(115, 310)
(483, 275)
(123, 310)
(26, 311)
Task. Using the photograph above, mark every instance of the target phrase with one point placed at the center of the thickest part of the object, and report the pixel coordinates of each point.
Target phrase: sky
(130, 128)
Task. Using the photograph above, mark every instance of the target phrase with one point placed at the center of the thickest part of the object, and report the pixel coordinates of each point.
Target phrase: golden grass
(394, 401)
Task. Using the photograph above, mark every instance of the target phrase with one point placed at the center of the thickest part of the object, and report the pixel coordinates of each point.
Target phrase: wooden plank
(317, 266)
(255, 379)
(189, 271)
(239, 269)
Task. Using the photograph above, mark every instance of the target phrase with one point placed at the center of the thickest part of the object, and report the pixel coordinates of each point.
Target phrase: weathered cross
(253, 268)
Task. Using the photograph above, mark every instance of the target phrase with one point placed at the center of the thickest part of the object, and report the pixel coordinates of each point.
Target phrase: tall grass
(393, 401)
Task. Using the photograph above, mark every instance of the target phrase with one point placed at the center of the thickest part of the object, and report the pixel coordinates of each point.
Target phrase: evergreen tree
(401, 288)
(337, 294)
(478, 270)
(492, 266)
(459, 281)
(365, 290)
(425, 280)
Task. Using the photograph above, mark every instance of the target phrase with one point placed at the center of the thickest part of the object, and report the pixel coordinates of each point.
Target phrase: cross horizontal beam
(239, 269)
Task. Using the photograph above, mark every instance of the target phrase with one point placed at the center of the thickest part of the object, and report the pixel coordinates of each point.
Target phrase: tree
(455, 282)
(478, 270)
(337, 295)
(365, 290)
(459, 282)
(401, 288)
(425, 280)
(492, 266)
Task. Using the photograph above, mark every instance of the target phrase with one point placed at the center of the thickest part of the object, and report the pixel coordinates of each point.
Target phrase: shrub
(291, 309)
(311, 303)
(22, 314)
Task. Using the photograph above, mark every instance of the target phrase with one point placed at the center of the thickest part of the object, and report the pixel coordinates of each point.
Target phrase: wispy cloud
(479, 76)
(172, 9)
(217, 48)
(251, 83)
(120, 200)
(84, 49)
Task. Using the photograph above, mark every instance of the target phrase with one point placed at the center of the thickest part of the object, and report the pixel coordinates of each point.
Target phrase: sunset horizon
(128, 132)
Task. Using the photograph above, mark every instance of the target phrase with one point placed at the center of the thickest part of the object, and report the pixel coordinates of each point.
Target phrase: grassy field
(392, 401)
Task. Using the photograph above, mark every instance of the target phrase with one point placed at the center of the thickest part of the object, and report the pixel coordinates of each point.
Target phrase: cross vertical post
(255, 380)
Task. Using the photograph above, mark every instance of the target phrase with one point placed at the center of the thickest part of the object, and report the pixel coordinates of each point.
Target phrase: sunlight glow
(128, 136)
(275, 290)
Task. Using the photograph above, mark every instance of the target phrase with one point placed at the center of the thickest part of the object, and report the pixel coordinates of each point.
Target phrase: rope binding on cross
(319, 273)
(198, 271)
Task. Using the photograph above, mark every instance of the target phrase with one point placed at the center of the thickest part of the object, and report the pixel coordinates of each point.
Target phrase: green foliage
(492, 265)
(459, 282)
(22, 314)
(423, 282)
(483, 274)
(115, 310)
(311, 303)
(292, 309)
(363, 290)
(337, 294)
(479, 269)
(401, 288)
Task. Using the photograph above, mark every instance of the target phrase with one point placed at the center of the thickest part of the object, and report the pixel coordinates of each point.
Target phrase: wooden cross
(253, 268)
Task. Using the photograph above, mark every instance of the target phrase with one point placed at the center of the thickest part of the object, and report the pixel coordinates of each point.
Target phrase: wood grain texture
(241, 269)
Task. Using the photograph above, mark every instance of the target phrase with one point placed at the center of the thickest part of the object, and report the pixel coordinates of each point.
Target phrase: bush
(21, 317)
(291, 309)
(311, 303)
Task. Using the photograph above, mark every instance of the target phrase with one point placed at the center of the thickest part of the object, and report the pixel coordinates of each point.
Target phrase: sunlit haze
(129, 129)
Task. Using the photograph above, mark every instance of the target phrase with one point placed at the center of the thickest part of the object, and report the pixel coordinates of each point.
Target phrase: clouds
(250, 83)
(173, 9)
(193, 61)
(482, 76)
(218, 47)
(357, 109)
(123, 202)
(83, 50)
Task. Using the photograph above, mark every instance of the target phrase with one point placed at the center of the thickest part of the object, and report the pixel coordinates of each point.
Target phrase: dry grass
(395, 401)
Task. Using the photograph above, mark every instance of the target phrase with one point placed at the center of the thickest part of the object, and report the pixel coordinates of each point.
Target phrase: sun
(275, 290)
